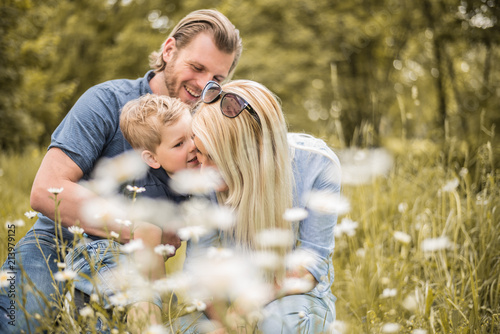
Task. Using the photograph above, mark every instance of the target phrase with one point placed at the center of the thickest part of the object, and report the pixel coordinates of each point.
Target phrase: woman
(240, 130)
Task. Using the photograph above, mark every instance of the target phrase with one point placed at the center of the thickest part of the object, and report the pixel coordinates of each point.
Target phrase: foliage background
(420, 78)
(416, 69)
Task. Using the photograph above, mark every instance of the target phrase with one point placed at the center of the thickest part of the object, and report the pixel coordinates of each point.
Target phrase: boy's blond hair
(142, 119)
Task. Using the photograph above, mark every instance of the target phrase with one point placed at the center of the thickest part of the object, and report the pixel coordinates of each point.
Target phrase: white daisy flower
(165, 250)
(450, 185)
(5, 278)
(295, 214)
(326, 202)
(274, 238)
(402, 237)
(388, 293)
(191, 233)
(30, 214)
(86, 311)
(133, 245)
(65, 275)
(436, 244)
(16, 223)
(197, 181)
(347, 227)
(135, 189)
(76, 230)
(55, 191)
(156, 329)
(123, 222)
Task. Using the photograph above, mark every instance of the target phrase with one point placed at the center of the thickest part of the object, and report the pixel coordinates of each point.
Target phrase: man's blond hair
(225, 35)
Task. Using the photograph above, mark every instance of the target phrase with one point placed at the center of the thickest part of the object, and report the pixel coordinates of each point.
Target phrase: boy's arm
(154, 264)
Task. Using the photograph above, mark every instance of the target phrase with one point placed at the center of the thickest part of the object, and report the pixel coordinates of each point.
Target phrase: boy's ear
(168, 49)
(150, 159)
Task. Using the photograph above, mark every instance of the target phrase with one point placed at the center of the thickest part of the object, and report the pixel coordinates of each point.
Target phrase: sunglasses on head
(231, 104)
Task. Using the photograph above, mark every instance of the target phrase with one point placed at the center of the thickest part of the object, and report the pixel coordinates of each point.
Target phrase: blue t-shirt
(91, 129)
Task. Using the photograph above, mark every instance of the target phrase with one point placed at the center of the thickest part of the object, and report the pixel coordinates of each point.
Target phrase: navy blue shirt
(157, 185)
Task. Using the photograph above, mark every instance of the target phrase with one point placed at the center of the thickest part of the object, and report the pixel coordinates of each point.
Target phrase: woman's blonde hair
(253, 159)
(142, 119)
(226, 36)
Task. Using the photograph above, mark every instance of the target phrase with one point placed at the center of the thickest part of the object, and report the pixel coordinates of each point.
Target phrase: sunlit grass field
(418, 252)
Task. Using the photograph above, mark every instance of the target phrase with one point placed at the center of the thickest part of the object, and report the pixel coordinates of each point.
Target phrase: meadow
(418, 251)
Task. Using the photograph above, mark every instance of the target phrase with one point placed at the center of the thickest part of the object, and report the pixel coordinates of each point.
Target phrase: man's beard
(170, 79)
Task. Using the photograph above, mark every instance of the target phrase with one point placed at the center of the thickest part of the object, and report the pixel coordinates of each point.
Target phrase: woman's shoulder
(305, 147)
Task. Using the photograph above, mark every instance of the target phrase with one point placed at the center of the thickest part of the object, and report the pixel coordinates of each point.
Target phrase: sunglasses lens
(210, 92)
(232, 105)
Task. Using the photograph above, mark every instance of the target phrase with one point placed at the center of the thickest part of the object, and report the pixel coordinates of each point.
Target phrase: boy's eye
(178, 144)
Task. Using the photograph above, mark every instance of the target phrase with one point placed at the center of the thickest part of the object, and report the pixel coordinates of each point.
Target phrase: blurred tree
(351, 72)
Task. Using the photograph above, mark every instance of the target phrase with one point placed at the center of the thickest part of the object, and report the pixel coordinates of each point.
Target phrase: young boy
(159, 128)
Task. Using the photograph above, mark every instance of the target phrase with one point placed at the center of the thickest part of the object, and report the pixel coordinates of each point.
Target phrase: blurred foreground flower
(156, 329)
(110, 173)
(233, 277)
(347, 227)
(327, 202)
(214, 216)
(65, 275)
(165, 250)
(30, 214)
(191, 233)
(450, 185)
(196, 181)
(16, 223)
(295, 214)
(391, 327)
(436, 244)
(402, 207)
(5, 278)
(388, 293)
(338, 327)
(300, 259)
(196, 305)
(296, 285)
(360, 166)
(133, 245)
(402, 237)
(86, 311)
(272, 238)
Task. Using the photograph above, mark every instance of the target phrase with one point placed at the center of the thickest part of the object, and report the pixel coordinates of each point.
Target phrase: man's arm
(59, 171)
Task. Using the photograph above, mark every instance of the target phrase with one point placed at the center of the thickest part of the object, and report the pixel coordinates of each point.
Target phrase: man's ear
(150, 159)
(168, 49)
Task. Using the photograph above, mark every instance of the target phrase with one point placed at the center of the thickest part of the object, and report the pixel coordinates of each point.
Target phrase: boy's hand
(171, 238)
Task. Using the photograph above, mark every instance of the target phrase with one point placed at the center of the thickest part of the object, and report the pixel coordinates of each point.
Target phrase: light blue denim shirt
(315, 168)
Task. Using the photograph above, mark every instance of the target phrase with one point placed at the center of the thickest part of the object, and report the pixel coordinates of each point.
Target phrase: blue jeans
(288, 315)
(33, 291)
(98, 260)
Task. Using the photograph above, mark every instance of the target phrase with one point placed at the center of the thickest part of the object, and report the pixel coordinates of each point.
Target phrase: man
(203, 46)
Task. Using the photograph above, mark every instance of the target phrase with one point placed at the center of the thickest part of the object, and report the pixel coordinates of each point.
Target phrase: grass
(385, 283)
